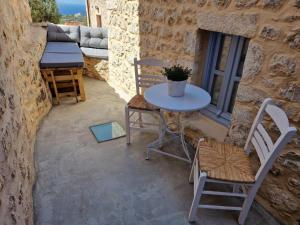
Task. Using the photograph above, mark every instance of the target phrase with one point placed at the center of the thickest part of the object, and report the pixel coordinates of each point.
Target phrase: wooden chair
(226, 164)
(138, 105)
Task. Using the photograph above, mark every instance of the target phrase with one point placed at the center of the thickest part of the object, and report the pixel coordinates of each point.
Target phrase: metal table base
(157, 145)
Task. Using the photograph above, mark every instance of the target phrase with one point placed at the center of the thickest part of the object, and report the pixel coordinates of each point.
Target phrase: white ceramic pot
(176, 88)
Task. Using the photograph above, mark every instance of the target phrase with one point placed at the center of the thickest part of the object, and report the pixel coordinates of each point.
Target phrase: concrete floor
(82, 182)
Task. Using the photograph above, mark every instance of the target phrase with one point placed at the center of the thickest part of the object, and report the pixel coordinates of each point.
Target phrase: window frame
(220, 111)
(99, 20)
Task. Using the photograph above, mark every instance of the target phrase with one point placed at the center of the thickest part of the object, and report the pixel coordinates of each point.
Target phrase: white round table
(194, 99)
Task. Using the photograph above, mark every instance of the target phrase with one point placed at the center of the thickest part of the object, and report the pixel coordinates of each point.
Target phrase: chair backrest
(147, 80)
(266, 149)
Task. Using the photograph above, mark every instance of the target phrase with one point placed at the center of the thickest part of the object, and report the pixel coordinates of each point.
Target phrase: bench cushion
(61, 60)
(93, 37)
(95, 53)
(62, 47)
(63, 33)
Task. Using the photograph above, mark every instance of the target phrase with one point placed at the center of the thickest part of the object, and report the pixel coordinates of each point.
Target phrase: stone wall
(168, 31)
(123, 44)
(98, 7)
(23, 102)
(96, 68)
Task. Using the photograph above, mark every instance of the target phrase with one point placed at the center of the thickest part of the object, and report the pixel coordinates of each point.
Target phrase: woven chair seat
(225, 162)
(139, 102)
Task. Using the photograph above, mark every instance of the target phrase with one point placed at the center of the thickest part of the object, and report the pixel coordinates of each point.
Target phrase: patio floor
(82, 182)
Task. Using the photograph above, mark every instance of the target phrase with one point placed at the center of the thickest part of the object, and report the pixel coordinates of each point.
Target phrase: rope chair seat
(225, 162)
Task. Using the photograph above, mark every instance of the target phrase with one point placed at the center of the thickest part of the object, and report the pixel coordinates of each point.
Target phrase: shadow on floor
(82, 182)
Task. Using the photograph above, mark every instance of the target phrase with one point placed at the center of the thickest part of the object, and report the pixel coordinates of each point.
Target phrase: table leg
(157, 144)
(162, 133)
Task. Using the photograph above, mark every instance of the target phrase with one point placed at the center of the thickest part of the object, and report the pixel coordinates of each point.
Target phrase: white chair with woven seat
(138, 105)
(226, 164)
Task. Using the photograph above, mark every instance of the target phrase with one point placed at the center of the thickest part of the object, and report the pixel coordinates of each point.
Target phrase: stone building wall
(123, 44)
(97, 7)
(168, 31)
(23, 102)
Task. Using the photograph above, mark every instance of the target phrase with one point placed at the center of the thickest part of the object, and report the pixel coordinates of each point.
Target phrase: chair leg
(184, 145)
(191, 177)
(247, 204)
(197, 196)
(140, 119)
(127, 123)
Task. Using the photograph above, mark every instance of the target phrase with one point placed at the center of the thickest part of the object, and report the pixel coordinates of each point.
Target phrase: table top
(195, 98)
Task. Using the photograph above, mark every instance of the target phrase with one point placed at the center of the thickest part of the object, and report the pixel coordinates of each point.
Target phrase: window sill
(218, 119)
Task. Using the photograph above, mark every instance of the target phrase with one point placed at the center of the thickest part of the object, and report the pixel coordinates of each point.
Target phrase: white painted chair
(225, 164)
(138, 105)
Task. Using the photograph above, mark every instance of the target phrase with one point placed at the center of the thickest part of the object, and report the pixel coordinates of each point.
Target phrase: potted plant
(177, 77)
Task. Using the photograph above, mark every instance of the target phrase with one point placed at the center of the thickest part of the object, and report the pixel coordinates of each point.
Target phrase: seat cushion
(225, 162)
(62, 47)
(95, 53)
(61, 60)
(139, 102)
(63, 33)
(93, 37)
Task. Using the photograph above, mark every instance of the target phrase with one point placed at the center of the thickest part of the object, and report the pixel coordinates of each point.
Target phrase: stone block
(293, 40)
(165, 32)
(254, 60)
(294, 186)
(243, 115)
(269, 32)
(291, 161)
(158, 14)
(274, 4)
(290, 18)
(245, 3)
(297, 4)
(238, 134)
(282, 65)
(112, 5)
(293, 112)
(242, 24)
(247, 94)
(2, 103)
(145, 27)
(200, 3)
(290, 91)
(96, 68)
(221, 3)
(282, 200)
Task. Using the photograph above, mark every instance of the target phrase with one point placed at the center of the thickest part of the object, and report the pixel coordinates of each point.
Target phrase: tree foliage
(44, 11)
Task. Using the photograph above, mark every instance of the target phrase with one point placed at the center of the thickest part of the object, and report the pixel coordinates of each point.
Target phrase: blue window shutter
(220, 111)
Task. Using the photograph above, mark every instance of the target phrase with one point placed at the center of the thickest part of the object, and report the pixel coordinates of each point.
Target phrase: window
(223, 70)
(99, 20)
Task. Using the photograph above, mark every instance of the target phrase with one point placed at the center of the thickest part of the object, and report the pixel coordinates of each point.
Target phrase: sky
(71, 1)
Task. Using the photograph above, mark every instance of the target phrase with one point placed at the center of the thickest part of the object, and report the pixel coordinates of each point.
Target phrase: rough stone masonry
(168, 29)
(24, 100)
